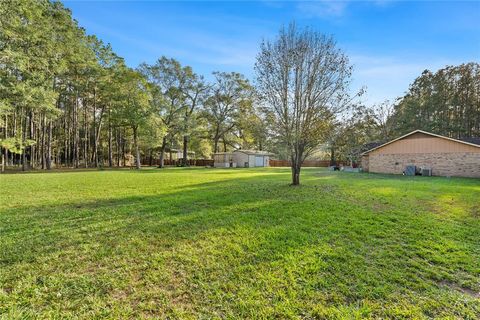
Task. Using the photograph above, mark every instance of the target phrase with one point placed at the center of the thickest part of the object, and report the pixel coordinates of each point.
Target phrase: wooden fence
(173, 162)
(306, 163)
(209, 163)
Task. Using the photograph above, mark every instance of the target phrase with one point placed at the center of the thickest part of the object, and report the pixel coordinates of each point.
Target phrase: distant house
(176, 154)
(444, 156)
(241, 159)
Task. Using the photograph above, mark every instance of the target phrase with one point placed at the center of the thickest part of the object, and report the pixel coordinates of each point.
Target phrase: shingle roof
(256, 152)
(370, 145)
(250, 152)
(473, 140)
(476, 144)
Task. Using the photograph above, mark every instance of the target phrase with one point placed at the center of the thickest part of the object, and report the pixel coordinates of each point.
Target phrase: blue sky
(388, 42)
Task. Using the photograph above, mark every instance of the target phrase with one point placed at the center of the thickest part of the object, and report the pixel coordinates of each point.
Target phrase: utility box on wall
(427, 172)
(410, 170)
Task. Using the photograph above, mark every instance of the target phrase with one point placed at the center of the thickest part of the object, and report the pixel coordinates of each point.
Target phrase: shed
(251, 158)
(443, 155)
(242, 159)
(224, 160)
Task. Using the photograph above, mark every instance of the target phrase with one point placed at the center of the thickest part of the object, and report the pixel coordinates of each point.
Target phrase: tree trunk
(37, 154)
(110, 157)
(295, 173)
(95, 149)
(3, 161)
(296, 166)
(5, 154)
(75, 133)
(24, 137)
(65, 141)
(32, 137)
(162, 152)
(215, 144)
(137, 151)
(49, 146)
(14, 134)
(332, 156)
(117, 132)
(97, 139)
(74, 130)
(95, 152)
(85, 136)
(43, 143)
(123, 149)
(185, 151)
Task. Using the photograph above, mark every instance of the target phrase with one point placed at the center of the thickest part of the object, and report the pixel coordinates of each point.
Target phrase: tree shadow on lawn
(185, 212)
(226, 240)
(206, 205)
(198, 199)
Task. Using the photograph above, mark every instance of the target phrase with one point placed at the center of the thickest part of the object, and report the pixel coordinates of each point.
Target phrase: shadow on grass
(244, 235)
(29, 231)
(184, 212)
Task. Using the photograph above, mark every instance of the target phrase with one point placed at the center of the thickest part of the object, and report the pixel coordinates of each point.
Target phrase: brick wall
(364, 163)
(465, 164)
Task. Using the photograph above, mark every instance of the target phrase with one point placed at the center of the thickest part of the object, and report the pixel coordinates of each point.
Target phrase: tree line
(67, 99)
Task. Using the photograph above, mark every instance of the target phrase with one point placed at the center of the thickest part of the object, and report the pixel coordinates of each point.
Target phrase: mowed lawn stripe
(242, 243)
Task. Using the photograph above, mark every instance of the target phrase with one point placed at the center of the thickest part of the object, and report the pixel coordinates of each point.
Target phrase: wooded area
(445, 102)
(68, 100)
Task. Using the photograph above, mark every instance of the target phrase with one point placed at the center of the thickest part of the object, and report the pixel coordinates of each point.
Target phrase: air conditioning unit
(427, 172)
(410, 170)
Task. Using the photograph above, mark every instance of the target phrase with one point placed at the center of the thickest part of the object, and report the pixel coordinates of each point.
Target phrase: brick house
(445, 156)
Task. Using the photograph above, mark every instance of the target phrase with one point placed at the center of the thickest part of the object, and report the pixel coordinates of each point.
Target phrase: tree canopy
(67, 99)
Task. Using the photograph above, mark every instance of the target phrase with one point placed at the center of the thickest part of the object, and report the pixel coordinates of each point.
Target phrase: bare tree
(303, 78)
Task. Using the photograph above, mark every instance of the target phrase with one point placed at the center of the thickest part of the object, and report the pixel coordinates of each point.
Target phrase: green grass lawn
(239, 243)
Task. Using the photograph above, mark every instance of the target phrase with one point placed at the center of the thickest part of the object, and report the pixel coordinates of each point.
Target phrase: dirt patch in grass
(476, 211)
(456, 287)
(380, 207)
(7, 290)
(119, 295)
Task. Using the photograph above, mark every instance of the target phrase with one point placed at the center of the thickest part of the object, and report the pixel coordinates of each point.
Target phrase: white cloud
(333, 8)
(322, 8)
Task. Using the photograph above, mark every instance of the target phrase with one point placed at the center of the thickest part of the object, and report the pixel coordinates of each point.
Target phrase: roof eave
(424, 132)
